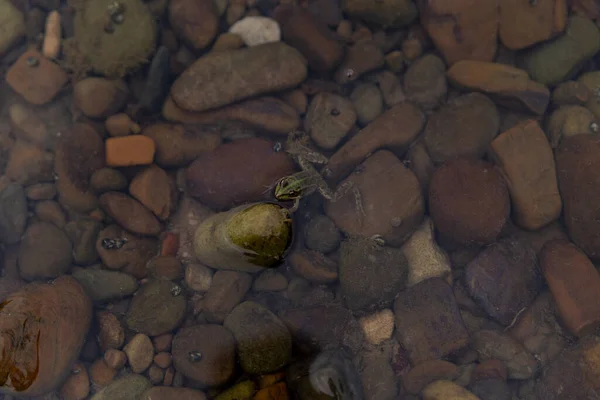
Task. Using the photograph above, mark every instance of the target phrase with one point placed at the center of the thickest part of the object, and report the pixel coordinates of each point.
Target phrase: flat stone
(130, 150)
(103, 285)
(155, 189)
(130, 214)
(226, 291)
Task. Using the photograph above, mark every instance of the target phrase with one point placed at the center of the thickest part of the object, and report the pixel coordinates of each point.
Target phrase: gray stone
(102, 285)
(13, 213)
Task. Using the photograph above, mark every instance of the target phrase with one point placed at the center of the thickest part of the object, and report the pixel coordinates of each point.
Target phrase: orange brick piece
(574, 283)
(129, 150)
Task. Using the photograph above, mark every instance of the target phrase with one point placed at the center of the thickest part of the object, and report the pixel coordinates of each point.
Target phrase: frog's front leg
(340, 192)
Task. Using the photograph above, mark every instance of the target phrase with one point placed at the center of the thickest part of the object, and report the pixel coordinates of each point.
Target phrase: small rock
(101, 374)
(571, 93)
(165, 267)
(140, 353)
(312, 38)
(321, 234)
(420, 163)
(237, 173)
(368, 102)
(227, 41)
(205, 353)
(370, 276)
(129, 150)
(270, 281)
(464, 126)
(445, 390)
(102, 285)
(427, 372)
(255, 30)
(35, 77)
(13, 26)
(157, 83)
(45, 252)
(168, 393)
(329, 118)
(469, 202)
(227, 290)
(40, 191)
(79, 153)
(390, 196)
(264, 344)
(28, 124)
(195, 22)
(100, 97)
(131, 386)
(390, 87)
(178, 145)
(50, 211)
(207, 83)
(28, 164)
(425, 81)
(387, 14)
(162, 342)
(107, 180)
(591, 81)
(428, 322)
(13, 213)
(504, 279)
(491, 389)
(378, 327)
(119, 125)
(574, 289)
(394, 60)
(570, 120)
(77, 385)
(130, 214)
(378, 378)
(577, 159)
(462, 30)
(495, 345)
(360, 58)
(531, 176)
(198, 277)
(155, 189)
(163, 359)
(523, 25)
(553, 62)
(313, 266)
(157, 308)
(116, 359)
(155, 374)
(490, 369)
(425, 258)
(508, 86)
(111, 334)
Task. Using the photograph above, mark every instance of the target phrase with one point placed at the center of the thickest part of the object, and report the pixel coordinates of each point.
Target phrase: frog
(333, 373)
(309, 180)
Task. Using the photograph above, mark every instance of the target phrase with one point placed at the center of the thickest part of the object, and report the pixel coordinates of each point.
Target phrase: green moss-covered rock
(264, 343)
(112, 37)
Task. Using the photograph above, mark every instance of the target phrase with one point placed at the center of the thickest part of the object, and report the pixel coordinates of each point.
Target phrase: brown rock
(168, 393)
(360, 58)
(462, 127)
(461, 29)
(526, 159)
(428, 321)
(391, 199)
(425, 81)
(111, 334)
(237, 173)
(490, 369)
(100, 97)
(570, 120)
(77, 385)
(227, 41)
(227, 290)
(195, 22)
(108, 179)
(571, 92)
(166, 267)
(101, 374)
(427, 372)
(43, 327)
(178, 145)
(115, 359)
(155, 189)
(469, 202)
(28, 164)
(216, 347)
(314, 266)
(523, 25)
(140, 353)
(28, 124)
(162, 342)
(396, 129)
(129, 150)
(263, 113)
(368, 102)
(120, 125)
(163, 359)
(420, 163)
(301, 30)
(50, 211)
(574, 283)
(577, 163)
(41, 191)
(265, 68)
(508, 85)
(45, 252)
(130, 213)
(492, 344)
(155, 374)
(79, 153)
(36, 78)
(329, 119)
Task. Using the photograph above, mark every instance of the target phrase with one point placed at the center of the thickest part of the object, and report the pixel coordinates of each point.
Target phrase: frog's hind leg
(340, 192)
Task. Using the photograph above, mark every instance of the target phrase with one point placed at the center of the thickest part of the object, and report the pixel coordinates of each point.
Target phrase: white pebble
(378, 327)
(257, 30)
(198, 277)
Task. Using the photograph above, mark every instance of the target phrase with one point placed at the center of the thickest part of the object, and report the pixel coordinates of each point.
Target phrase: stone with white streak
(255, 30)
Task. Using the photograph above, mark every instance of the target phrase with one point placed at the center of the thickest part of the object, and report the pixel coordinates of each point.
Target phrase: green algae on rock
(111, 38)
(247, 238)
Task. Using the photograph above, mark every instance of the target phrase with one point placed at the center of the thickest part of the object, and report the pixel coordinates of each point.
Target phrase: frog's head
(288, 188)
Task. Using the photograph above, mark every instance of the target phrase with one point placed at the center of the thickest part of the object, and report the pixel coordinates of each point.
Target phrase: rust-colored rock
(508, 85)
(462, 29)
(194, 21)
(36, 78)
(130, 214)
(129, 150)
(574, 283)
(527, 161)
(43, 327)
(155, 189)
(523, 24)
